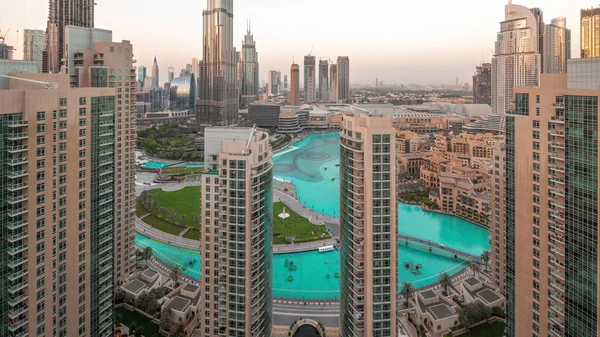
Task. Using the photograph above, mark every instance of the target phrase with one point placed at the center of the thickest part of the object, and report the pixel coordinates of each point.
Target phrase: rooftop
(135, 286)
(190, 287)
(472, 281)
(441, 311)
(428, 294)
(178, 303)
(149, 273)
(488, 295)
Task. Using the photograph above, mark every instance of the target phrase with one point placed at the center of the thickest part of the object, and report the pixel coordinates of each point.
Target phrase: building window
(63, 102)
(522, 104)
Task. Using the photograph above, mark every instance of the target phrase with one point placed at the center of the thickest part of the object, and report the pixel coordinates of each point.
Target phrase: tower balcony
(16, 149)
(16, 174)
(17, 124)
(17, 161)
(558, 119)
(17, 199)
(16, 186)
(17, 136)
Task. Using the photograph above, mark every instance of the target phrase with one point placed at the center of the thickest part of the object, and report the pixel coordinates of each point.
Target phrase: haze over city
(399, 42)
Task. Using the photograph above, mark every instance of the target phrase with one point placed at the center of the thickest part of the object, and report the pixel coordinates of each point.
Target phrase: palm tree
(445, 282)
(407, 291)
(175, 273)
(147, 254)
(474, 267)
(485, 257)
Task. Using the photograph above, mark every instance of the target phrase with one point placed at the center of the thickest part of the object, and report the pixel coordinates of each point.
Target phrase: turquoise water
(155, 165)
(310, 168)
(310, 279)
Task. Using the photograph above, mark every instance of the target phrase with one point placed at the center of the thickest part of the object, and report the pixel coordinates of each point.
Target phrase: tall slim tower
(64, 13)
(482, 84)
(343, 82)
(248, 70)
(324, 80)
(512, 66)
(237, 271)
(155, 74)
(557, 46)
(170, 74)
(219, 101)
(368, 227)
(142, 72)
(590, 32)
(333, 83)
(295, 85)
(57, 195)
(310, 79)
(552, 262)
(274, 82)
(34, 41)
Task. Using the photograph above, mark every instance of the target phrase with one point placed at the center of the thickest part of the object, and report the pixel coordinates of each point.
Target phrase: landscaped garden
(142, 324)
(495, 329)
(170, 141)
(172, 212)
(182, 170)
(295, 226)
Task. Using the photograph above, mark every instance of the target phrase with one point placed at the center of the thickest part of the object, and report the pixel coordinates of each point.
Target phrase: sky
(398, 42)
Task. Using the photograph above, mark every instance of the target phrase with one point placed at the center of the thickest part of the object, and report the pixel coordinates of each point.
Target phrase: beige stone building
(465, 144)
(57, 193)
(368, 226)
(411, 142)
(237, 201)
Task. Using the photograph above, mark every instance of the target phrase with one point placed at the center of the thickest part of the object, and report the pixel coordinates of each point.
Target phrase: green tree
(473, 313)
(166, 318)
(118, 319)
(474, 267)
(134, 329)
(407, 291)
(485, 257)
(180, 332)
(147, 254)
(119, 295)
(445, 282)
(175, 273)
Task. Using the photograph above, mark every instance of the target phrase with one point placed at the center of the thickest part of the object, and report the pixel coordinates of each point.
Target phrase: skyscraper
(237, 271)
(219, 100)
(34, 42)
(285, 83)
(333, 83)
(142, 73)
(551, 207)
(557, 46)
(310, 79)
(64, 13)
(155, 75)
(57, 193)
(590, 32)
(324, 80)
(343, 81)
(482, 84)
(517, 59)
(368, 226)
(248, 70)
(274, 82)
(295, 85)
(100, 61)
(170, 74)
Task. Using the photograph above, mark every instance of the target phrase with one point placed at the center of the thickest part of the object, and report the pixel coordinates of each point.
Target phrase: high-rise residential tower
(248, 70)
(368, 226)
(237, 271)
(170, 74)
(551, 205)
(274, 82)
(142, 73)
(34, 42)
(482, 84)
(310, 79)
(294, 85)
(64, 13)
(219, 100)
(57, 194)
(155, 75)
(557, 46)
(285, 83)
(324, 80)
(100, 67)
(343, 81)
(590, 32)
(333, 83)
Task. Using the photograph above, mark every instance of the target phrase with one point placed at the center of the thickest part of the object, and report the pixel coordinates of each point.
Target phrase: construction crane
(311, 50)
(47, 85)
(3, 37)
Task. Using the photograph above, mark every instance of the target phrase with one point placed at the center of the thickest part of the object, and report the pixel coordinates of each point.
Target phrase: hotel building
(368, 221)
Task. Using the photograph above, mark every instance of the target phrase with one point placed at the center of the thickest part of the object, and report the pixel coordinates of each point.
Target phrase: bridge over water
(403, 239)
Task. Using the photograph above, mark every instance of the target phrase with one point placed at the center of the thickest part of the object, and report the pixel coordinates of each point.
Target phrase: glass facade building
(183, 92)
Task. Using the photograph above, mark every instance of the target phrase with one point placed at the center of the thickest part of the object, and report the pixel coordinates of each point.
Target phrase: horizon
(465, 38)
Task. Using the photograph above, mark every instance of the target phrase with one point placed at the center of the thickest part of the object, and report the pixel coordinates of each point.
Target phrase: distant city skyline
(461, 32)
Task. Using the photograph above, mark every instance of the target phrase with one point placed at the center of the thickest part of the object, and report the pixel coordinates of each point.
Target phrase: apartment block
(497, 204)
(57, 167)
(111, 65)
(551, 210)
(237, 255)
(368, 226)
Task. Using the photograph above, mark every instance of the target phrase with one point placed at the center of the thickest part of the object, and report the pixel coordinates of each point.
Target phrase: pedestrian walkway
(332, 224)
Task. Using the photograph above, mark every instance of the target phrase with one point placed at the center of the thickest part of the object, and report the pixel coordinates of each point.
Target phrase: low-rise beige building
(474, 290)
(434, 312)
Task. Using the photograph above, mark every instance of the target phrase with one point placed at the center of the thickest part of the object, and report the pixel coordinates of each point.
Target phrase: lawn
(192, 234)
(296, 226)
(495, 329)
(162, 225)
(147, 328)
(185, 201)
